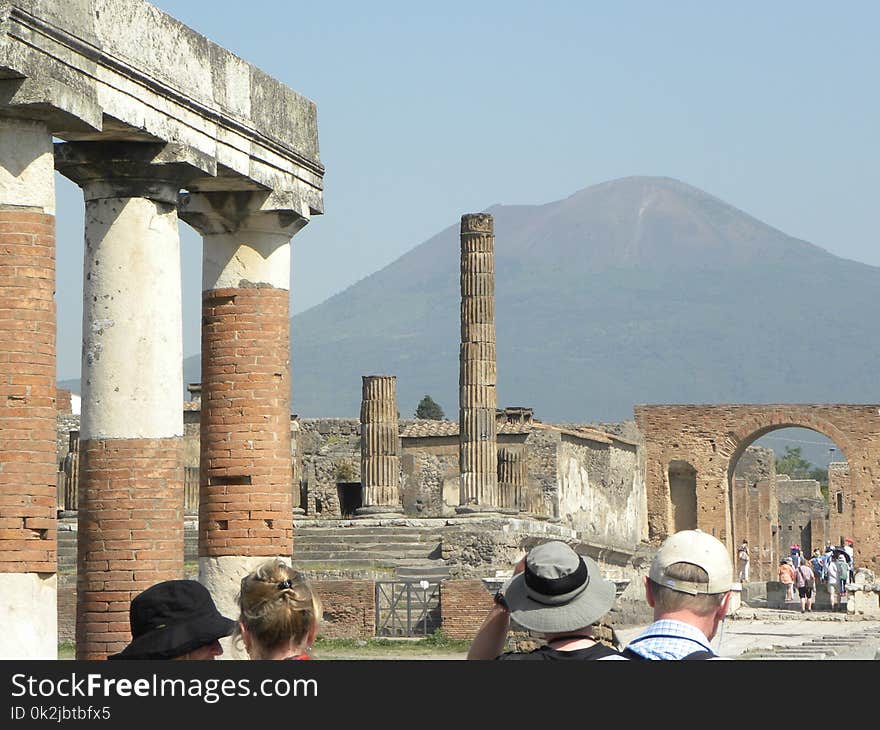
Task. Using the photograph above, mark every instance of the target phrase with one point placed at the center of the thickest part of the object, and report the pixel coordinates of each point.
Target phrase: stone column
(512, 479)
(71, 473)
(28, 472)
(246, 467)
(296, 467)
(478, 457)
(380, 446)
(130, 516)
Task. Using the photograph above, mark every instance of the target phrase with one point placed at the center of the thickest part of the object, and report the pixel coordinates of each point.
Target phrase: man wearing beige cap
(688, 586)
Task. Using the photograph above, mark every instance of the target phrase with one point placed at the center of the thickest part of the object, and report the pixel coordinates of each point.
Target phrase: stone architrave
(28, 472)
(130, 502)
(512, 470)
(246, 464)
(380, 447)
(478, 456)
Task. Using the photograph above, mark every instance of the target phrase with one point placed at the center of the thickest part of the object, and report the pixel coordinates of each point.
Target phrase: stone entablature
(126, 71)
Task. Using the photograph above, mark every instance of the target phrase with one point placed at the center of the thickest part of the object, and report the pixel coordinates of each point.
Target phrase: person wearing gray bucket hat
(556, 594)
(688, 587)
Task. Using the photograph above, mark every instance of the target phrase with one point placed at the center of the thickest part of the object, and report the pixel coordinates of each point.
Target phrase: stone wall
(800, 504)
(840, 505)
(429, 476)
(330, 449)
(601, 493)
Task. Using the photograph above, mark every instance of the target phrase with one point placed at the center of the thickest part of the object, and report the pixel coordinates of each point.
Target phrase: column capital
(231, 211)
(156, 171)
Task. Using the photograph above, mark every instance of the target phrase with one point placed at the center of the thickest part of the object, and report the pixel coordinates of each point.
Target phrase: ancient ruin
(692, 452)
(166, 126)
(143, 117)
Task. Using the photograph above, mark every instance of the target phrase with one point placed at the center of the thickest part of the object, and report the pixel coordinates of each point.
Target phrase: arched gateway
(711, 438)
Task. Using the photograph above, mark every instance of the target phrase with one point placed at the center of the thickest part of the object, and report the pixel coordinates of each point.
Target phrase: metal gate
(407, 608)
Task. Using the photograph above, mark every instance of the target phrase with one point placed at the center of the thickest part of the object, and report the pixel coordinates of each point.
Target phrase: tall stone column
(246, 467)
(130, 517)
(28, 472)
(477, 371)
(380, 446)
(512, 470)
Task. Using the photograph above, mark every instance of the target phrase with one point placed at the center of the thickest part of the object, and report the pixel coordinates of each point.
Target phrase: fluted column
(28, 472)
(130, 502)
(477, 371)
(246, 465)
(512, 478)
(380, 446)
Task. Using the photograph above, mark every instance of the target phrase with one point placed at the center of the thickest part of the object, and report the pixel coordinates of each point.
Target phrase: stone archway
(711, 438)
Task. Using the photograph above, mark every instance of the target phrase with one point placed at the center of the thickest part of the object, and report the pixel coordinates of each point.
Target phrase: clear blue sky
(425, 113)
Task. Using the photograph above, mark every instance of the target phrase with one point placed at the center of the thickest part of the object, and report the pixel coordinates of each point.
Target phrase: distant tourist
(280, 612)
(817, 563)
(688, 586)
(557, 594)
(851, 556)
(175, 619)
(796, 555)
(742, 562)
(833, 572)
(805, 580)
(786, 577)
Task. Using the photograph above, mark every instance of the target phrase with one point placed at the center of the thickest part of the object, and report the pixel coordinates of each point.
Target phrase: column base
(471, 510)
(298, 511)
(378, 511)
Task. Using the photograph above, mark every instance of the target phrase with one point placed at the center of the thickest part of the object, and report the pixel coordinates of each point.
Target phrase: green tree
(793, 463)
(429, 409)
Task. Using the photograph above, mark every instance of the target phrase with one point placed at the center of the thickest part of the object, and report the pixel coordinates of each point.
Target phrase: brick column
(28, 472)
(380, 446)
(477, 371)
(246, 467)
(130, 517)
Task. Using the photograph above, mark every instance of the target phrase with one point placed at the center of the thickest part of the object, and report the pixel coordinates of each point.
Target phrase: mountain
(638, 290)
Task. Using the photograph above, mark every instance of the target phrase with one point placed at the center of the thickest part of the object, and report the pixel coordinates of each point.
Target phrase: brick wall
(244, 500)
(349, 608)
(27, 392)
(463, 607)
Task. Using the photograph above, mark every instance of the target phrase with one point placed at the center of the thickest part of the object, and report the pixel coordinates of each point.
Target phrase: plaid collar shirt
(667, 639)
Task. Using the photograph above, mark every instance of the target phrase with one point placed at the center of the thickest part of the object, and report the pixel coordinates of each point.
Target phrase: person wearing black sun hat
(175, 619)
(556, 594)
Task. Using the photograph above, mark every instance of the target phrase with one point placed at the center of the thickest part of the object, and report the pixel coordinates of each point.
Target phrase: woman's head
(279, 610)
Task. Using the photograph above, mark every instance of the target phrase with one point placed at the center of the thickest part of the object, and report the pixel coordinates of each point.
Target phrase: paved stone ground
(760, 633)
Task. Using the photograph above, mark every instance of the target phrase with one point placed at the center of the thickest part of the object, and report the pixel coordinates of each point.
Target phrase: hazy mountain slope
(634, 291)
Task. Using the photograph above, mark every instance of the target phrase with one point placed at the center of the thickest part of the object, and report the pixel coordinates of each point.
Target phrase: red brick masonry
(130, 533)
(245, 481)
(27, 392)
(463, 606)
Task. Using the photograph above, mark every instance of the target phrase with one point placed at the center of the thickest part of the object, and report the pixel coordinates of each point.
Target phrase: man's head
(175, 619)
(690, 580)
(558, 592)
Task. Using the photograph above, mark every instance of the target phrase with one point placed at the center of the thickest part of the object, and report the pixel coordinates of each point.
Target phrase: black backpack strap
(630, 654)
(701, 654)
